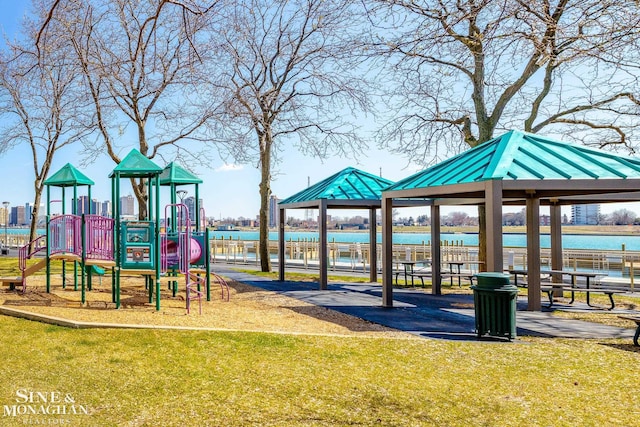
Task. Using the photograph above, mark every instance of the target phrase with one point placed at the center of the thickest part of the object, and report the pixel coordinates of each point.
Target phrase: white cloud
(229, 167)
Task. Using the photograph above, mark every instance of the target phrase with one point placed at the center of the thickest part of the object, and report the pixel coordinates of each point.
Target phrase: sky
(228, 190)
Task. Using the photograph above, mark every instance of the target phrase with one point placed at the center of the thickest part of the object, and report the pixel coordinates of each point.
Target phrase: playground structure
(95, 243)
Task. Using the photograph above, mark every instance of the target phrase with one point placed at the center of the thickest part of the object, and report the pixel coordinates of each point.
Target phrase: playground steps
(100, 263)
(146, 272)
(66, 257)
(224, 287)
(11, 281)
(35, 267)
(195, 290)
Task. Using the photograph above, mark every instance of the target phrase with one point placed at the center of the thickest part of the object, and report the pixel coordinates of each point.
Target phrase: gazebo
(136, 165)
(516, 168)
(174, 176)
(348, 189)
(67, 176)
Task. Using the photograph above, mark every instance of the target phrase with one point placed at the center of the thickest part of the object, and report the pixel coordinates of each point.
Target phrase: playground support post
(5, 250)
(156, 186)
(207, 255)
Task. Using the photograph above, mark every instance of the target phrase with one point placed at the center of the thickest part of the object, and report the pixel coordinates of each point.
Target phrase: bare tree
(623, 217)
(460, 70)
(290, 83)
(142, 66)
(39, 104)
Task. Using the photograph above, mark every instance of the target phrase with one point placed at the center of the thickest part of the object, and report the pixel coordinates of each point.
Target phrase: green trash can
(494, 299)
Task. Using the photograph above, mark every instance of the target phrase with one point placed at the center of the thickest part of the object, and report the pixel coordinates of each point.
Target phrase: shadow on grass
(625, 347)
(346, 321)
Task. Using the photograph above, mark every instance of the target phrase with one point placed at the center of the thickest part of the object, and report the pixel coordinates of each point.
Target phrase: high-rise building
(82, 205)
(273, 211)
(127, 204)
(5, 216)
(95, 206)
(17, 216)
(28, 212)
(190, 203)
(105, 208)
(585, 214)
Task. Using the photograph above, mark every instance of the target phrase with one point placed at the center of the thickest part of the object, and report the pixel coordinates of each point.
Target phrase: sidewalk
(448, 316)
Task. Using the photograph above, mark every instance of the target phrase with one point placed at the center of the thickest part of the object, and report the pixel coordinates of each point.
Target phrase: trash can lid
(493, 279)
(494, 275)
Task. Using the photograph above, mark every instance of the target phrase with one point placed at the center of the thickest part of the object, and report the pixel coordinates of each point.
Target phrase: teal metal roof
(523, 156)
(136, 165)
(68, 176)
(177, 175)
(348, 184)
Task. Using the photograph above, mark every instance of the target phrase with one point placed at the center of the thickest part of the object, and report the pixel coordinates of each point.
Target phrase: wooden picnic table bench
(637, 334)
(409, 271)
(455, 270)
(459, 275)
(550, 288)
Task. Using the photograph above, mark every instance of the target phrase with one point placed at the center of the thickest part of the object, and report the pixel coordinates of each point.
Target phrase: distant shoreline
(596, 230)
(601, 230)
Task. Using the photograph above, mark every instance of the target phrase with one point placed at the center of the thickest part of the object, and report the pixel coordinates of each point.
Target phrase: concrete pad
(449, 316)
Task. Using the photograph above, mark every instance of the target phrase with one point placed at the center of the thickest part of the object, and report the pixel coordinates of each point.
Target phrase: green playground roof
(348, 185)
(68, 176)
(177, 175)
(136, 165)
(524, 156)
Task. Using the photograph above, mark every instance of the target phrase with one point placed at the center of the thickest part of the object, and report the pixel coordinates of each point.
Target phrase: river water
(569, 241)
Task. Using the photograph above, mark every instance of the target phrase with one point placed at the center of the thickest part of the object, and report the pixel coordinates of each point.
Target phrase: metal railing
(98, 237)
(64, 235)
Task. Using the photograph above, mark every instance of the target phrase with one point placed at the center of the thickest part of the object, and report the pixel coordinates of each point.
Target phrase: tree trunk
(265, 193)
(33, 227)
(140, 192)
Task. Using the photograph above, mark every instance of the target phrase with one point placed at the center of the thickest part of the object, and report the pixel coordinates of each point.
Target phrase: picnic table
(410, 271)
(550, 287)
(455, 270)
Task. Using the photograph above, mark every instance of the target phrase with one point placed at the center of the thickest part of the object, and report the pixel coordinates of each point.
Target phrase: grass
(185, 378)
(9, 266)
(171, 378)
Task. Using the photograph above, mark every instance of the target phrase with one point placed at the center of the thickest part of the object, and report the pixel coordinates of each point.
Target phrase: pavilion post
(322, 231)
(387, 252)
(533, 254)
(281, 244)
(556, 238)
(373, 246)
(436, 256)
(556, 246)
(493, 200)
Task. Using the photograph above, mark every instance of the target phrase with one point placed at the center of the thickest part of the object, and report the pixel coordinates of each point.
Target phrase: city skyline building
(273, 211)
(28, 212)
(105, 208)
(127, 205)
(17, 216)
(190, 203)
(585, 214)
(5, 215)
(82, 205)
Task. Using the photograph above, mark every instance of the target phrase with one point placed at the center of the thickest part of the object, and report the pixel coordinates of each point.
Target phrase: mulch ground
(248, 309)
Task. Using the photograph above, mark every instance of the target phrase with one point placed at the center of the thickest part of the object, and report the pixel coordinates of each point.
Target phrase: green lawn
(185, 378)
